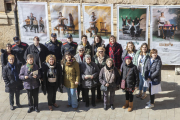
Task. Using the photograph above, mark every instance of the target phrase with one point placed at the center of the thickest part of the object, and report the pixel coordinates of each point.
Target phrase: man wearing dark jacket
(54, 47)
(38, 50)
(19, 48)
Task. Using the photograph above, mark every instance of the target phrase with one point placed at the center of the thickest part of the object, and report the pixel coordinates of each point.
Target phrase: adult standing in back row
(114, 51)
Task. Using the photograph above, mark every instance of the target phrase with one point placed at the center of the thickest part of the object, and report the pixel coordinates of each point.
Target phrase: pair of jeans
(72, 98)
(11, 97)
(86, 90)
(33, 97)
(152, 97)
(129, 96)
(51, 90)
(141, 83)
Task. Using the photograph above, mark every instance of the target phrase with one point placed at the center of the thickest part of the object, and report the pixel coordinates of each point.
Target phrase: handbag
(123, 82)
(103, 88)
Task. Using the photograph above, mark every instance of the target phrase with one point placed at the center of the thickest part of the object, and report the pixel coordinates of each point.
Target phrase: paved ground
(167, 105)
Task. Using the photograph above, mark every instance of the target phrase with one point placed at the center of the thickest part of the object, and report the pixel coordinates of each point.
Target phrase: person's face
(154, 55)
(18, 43)
(132, 24)
(109, 63)
(162, 14)
(112, 40)
(84, 40)
(30, 61)
(27, 17)
(51, 61)
(128, 61)
(137, 18)
(101, 53)
(8, 48)
(34, 18)
(11, 60)
(60, 14)
(41, 18)
(31, 14)
(36, 42)
(97, 40)
(53, 39)
(144, 49)
(130, 47)
(93, 13)
(81, 51)
(68, 57)
(69, 40)
(88, 60)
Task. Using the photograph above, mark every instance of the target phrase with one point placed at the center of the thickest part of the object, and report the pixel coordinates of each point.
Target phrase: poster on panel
(66, 19)
(132, 24)
(33, 21)
(165, 33)
(98, 20)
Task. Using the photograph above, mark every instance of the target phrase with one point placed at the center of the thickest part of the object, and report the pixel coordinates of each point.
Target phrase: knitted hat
(128, 57)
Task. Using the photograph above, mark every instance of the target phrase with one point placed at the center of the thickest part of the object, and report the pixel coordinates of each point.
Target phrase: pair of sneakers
(149, 105)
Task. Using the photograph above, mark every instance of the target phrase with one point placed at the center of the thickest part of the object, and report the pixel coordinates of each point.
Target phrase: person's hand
(76, 83)
(34, 76)
(86, 77)
(149, 79)
(41, 79)
(92, 77)
(107, 85)
(26, 77)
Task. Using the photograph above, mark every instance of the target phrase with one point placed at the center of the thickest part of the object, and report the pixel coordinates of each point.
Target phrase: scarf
(100, 59)
(81, 56)
(14, 71)
(109, 74)
(30, 66)
(69, 63)
(51, 71)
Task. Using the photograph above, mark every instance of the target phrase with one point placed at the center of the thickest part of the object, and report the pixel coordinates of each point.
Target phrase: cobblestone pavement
(167, 105)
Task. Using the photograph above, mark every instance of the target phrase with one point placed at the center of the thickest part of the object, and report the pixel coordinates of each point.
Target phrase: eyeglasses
(100, 51)
(81, 50)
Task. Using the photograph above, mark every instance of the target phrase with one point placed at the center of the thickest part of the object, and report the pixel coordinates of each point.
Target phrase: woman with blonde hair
(110, 78)
(140, 60)
(100, 60)
(51, 80)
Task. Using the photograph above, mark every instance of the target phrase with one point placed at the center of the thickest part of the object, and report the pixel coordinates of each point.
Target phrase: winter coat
(132, 79)
(91, 69)
(154, 69)
(10, 83)
(95, 60)
(88, 48)
(115, 52)
(103, 80)
(78, 59)
(135, 60)
(32, 49)
(30, 82)
(59, 77)
(71, 74)
(125, 53)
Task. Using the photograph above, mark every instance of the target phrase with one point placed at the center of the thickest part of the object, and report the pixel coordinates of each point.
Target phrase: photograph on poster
(97, 20)
(33, 23)
(132, 23)
(165, 24)
(65, 20)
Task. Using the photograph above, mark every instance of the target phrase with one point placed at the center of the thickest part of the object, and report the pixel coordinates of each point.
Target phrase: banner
(98, 20)
(33, 21)
(132, 24)
(165, 37)
(66, 19)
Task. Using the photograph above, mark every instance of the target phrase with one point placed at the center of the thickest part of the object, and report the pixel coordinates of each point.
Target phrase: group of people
(32, 23)
(82, 68)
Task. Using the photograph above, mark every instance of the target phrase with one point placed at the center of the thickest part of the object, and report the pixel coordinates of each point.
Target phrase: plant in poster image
(97, 21)
(33, 22)
(132, 24)
(64, 20)
(165, 24)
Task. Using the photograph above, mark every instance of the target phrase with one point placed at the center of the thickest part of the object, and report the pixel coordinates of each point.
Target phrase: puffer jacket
(153, 71)
(88, 48)
(95, 60)
(91, 69)
(132, 79)
(9, 79)
(71, 74)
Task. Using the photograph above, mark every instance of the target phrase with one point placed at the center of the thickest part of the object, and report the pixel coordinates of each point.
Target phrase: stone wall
(7, 27)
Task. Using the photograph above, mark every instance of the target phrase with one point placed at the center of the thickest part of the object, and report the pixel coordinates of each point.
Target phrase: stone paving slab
(167, 105)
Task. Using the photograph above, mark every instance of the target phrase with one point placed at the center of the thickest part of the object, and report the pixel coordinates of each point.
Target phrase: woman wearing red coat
(114, 51)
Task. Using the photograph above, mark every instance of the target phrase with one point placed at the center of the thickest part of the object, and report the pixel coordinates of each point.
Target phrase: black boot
(112, 106)
(18, 105)
(105, 107)
(36, 109)
(30, 110)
